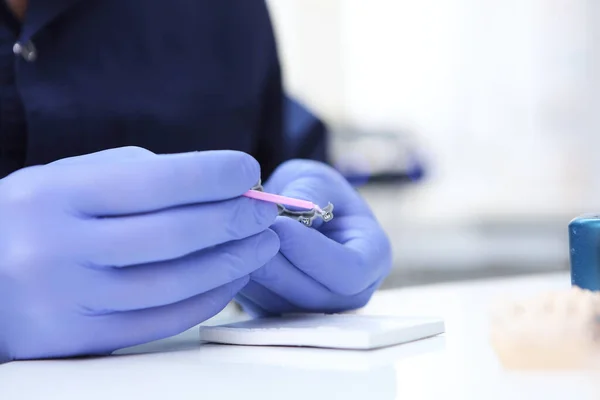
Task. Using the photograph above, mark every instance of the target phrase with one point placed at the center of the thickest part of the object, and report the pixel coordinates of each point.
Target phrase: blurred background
(476, 121)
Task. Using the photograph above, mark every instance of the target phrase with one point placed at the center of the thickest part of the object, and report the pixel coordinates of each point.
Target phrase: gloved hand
(123, 247)
(330, 267)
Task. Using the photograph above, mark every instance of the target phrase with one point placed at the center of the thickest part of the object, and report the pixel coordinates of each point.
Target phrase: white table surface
(457, 365)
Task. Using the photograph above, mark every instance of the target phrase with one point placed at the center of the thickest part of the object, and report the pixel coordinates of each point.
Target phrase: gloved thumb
(317, 183)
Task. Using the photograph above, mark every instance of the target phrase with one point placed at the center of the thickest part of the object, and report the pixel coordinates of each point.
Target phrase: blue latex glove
(123, 247)
(330, 267)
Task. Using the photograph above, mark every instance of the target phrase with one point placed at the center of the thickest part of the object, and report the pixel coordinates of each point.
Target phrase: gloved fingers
(251, 308)
(120, 330)
(173, 233)
(260, 301)
(140, 185)
(281, 277)
(274, 301)
(348, 267)
(292, 170)
(120, 153)
(318, 183)
(280, 287)
(163, 283)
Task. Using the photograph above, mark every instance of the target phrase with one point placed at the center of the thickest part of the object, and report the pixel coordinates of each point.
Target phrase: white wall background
(503, 95)
(498, 91)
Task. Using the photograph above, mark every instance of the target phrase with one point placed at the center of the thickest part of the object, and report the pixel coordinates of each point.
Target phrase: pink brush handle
(274, 198)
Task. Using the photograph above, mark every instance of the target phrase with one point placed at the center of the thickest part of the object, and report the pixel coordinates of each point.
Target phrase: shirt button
(27, 51)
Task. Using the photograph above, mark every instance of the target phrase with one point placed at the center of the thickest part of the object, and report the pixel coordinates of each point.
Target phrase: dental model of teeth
(555, 330)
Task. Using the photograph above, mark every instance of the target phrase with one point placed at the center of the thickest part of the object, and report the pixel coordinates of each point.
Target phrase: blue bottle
(584, 244)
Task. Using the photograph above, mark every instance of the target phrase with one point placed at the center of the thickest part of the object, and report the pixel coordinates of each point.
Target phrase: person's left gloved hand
(329, 267)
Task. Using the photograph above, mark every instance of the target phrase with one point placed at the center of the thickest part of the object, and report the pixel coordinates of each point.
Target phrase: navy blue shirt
(169, 76)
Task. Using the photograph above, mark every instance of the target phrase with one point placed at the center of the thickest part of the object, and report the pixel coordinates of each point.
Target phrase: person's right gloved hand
(123, 247)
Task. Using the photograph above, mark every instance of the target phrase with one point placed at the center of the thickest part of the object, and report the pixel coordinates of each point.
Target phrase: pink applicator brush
(310, 212)
(286, 201)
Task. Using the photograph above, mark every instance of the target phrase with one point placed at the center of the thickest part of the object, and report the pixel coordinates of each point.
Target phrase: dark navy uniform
(79, 76)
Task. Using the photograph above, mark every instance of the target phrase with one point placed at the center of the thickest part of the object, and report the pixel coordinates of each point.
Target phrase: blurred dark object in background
(363, 157)
(369, 157)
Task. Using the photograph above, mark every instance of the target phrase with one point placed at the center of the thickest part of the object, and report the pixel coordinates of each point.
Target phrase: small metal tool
(307, 216)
